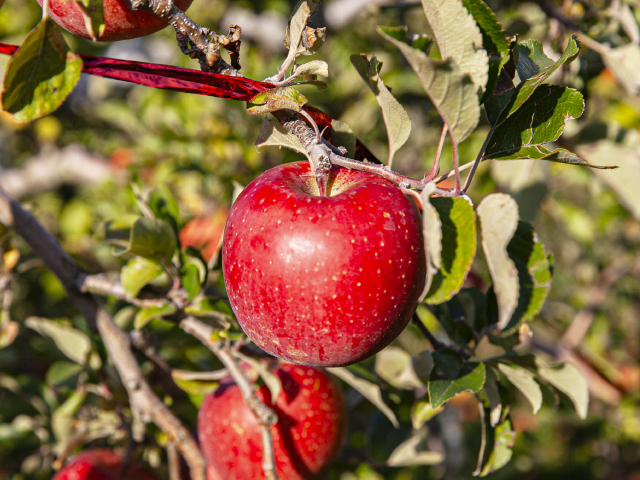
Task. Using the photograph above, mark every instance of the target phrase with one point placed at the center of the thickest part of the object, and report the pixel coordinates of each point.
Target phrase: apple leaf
(494, 399)
(93, 14)
(498, 215)
(367, 389)
(458, 222)
(152, 239)
(450, 89)
(408, 453)
(137, 273)
(395, 117)
(432, 234)
(145, 315)
(64, 374)
(533, 67)
(451, 376)
(568, 379)
(299, 38)
(622, 61)
(523, 380)
(343, 136)
(496, 445)
(422, 412)
(394, 366)
(314, 67)
(195, 388)
(624, 181)
(272, 133)
(458, 38)
(494, 40)
(40, 75)
(164, 207)
(541, 119)
(279, 98)
(63, 417)
(75, 344)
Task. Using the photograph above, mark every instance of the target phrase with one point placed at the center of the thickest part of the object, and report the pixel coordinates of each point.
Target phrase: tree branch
(143, 401)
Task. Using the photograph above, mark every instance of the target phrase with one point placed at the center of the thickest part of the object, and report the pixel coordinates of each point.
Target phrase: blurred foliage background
(75, 170)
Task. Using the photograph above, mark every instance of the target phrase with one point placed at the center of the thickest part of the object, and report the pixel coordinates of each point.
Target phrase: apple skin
(310, 431)
(325, 281)
(121, 23)
(100, 464)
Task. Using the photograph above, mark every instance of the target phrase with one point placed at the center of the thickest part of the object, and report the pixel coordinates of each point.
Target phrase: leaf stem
(478, 159)
(436, 160)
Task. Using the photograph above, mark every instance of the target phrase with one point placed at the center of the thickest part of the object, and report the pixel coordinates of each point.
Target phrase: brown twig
(143, 400)
(100, 284)
(265, 416)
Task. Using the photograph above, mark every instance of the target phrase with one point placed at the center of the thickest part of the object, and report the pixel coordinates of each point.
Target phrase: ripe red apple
(120, 22)
(323, 281)
(100, 464)
(310, 430)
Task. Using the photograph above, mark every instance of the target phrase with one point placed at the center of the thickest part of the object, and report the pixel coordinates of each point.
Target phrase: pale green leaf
(63, 417)
(494, 398)
(272, 133)
(623, 62)
(137, 273)
(458, 222)
(451, 91)
(458, 38)
(422, 412)
(40, 75)
(367, 389)
(408, 453)
(395, 117)
(432, 234)
(394, 366)
(314, 67)
(72, 342)
(523, 380)
(145, 315)
(498, 216)
(568, 379)
(279, 98)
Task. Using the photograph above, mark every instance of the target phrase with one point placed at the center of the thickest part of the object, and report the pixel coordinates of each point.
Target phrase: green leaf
(196, 387)
(393, 365)
(72, 342)
(272, 133)
(422, 412)
(63, 417)
(458, 38)
(497, 444)
(458, 247)
(194, 272)
(410, 453)
(523, 380)
(396, 119)
(559, 155)
(207, 306)
(432, 234)
(541, 119)
(451, 91)
(40, 75)
(498, 215)
(145, 315)
(137, 273)
(63, 373)
(533, 67)
(152, 239)
(367, 389)
(279, 98)
(299, 38)
(450, 377)
(568, 379)
(314, 67)
(494, 40)
(164, 207)
(93, 11)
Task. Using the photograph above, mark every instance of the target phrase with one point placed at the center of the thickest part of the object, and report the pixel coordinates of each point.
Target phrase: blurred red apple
(205, 232)
(324, 281)
(100, 464)
(310, 430)
(120, 22)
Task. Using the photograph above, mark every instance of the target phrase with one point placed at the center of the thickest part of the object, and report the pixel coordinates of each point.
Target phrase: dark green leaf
(40, 75)
(137, 273)
(190, 275)
(497, 444)
(145, 315)
(152, 239)
(458, 247)
(64, 374)
(164, 207)
(450, 377)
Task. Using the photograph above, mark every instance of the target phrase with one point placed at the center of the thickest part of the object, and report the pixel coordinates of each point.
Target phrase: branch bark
(144, 403)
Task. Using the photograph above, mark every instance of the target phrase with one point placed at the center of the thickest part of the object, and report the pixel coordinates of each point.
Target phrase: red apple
(324, 281)
(100, 464)
(310, 429)
(120, 22)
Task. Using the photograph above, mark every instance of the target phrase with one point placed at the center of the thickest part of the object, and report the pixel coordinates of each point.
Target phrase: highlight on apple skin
(310, 431)
(325, 281)
(120, 22)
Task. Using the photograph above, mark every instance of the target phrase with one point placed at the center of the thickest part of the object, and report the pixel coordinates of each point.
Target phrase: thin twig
(478, 159)
(436, 160)
(100, 284)
(265, 416)
(142, 398)
(188, 375)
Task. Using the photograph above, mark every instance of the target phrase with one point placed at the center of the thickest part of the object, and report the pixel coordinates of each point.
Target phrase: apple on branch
(310, 430)
(120, 22)
(324, 281)
(101, 464)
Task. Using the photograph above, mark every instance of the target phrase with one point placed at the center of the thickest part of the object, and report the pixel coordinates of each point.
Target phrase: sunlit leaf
(451, 91)
(395, 117)
(137, 273)
(568, 379)
(152, 239)
(279, 98)
(72, 342)
(498, 215)
(40, 75)
(394, 366)
(432, 234)
(408, 453)
(451, 376)
(497, 444)
(369, 390)
(523, 380)
(422, 412)
(458, 247)
(145, 315)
